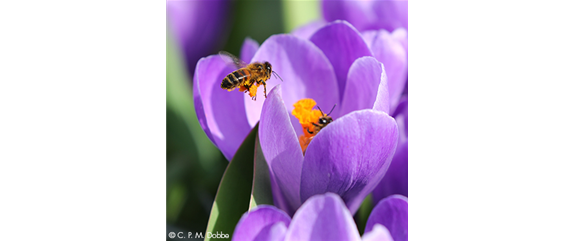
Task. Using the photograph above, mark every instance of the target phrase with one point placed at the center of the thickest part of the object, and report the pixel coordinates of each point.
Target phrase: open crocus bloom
(325, 217)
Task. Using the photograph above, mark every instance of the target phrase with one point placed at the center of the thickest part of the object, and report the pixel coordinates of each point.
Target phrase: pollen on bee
(252, 91)
(242, 88)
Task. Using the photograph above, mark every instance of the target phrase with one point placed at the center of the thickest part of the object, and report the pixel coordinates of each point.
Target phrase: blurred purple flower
(199, 26)
(335, 67)
(396, 179)
(325, 217)
(368, 15)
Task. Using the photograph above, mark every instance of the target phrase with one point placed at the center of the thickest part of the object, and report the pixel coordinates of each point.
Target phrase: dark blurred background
(194, 165)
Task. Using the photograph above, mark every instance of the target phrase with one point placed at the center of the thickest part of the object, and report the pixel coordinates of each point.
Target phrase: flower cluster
(325, 217)
(359, 67)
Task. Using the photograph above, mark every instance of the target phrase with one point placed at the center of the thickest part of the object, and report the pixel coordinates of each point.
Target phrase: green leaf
(363, 214)
(261, 191)
(233, 195)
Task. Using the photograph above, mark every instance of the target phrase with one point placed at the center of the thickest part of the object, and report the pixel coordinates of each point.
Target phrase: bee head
(324, 120)
(267, 67)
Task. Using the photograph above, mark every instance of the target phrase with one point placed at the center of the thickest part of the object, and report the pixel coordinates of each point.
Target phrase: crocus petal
(401, 35)
(401, 115)
(359, 13)
(307, 30)
(365, 77)
(248, 49)
(189, 19)
(323, 217)
(342, 44)
(369, 36)
(391, 53)
(350, 156)
(281, 149)
(262, 223)
(305, 70)
(221, 113)
(383, 100)
(391, 14)
(379, 233)
(391, 212)
(396, 180)
(368, 15)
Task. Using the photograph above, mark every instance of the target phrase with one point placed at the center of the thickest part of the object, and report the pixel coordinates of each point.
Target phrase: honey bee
(248, 77)
(323, 121)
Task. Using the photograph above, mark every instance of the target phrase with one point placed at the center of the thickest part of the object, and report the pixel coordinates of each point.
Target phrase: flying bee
(323, 121)
(248, 77)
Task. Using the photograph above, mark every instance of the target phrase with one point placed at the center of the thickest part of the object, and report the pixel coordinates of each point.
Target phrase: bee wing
(232, 59)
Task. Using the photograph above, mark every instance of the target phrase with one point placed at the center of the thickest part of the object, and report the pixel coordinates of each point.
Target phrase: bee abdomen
(229, 82)
(233, 80)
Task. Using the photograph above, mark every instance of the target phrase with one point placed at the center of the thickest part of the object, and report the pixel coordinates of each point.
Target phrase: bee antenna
(331, 109)
(276, 75)
(320, 110)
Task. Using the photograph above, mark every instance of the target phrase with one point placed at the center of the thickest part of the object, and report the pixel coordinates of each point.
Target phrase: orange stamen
(307, 116)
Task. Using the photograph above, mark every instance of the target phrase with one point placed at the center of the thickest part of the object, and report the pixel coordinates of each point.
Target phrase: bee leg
(265, 89)
(309, 131)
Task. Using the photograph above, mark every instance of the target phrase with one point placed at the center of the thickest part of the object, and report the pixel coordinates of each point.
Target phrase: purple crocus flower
(325, 217)
(350, 155)
(383, 26)
(198, 27)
